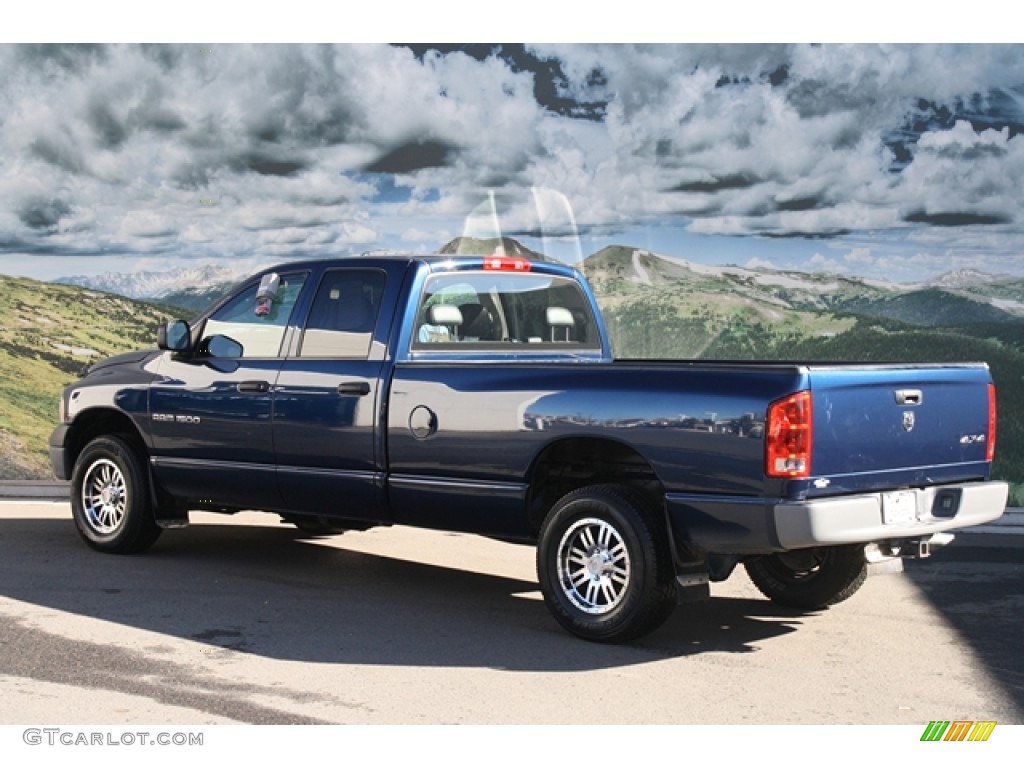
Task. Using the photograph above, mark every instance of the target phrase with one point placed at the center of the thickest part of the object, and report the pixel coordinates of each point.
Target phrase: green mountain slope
(48, 333)
(656, 307)
(930, 307)
(193, 301)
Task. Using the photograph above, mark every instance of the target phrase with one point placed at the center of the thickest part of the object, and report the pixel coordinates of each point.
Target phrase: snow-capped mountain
(965, 278)
(158, 285)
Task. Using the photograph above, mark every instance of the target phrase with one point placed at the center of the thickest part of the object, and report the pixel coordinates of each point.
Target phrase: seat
(354, 315)
(478, 323)
(340, 323)
(561, 322)
(343, 307)
(443, 323)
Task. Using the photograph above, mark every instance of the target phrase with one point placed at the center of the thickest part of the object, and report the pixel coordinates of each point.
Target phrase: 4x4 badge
(908, 421)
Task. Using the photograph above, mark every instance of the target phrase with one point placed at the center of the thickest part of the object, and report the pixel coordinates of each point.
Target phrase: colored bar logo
(958, 730)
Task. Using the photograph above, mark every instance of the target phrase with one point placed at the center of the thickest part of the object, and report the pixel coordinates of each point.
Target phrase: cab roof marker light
(506, 264)
(788, 437)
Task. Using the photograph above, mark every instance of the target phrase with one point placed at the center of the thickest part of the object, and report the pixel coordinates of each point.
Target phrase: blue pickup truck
(479, 394)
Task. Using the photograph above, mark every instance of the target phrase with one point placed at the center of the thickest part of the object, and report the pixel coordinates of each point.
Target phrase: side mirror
(175, 336)
(220, 347)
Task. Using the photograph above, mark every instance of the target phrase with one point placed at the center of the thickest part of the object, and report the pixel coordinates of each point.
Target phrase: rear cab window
(499, 311)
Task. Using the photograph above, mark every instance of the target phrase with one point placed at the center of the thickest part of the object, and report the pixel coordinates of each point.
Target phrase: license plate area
(899, 507)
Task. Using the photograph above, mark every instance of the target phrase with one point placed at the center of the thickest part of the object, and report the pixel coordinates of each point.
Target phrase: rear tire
(110, 500)
(810, 579)
(604, 565)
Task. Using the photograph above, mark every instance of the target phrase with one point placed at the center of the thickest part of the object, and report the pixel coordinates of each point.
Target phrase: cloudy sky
(883, 161)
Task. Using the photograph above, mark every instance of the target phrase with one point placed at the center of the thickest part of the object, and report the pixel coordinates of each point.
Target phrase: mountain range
(193, 288)
(953, 298)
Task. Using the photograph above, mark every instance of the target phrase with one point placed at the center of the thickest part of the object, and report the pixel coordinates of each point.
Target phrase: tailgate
(879, 427)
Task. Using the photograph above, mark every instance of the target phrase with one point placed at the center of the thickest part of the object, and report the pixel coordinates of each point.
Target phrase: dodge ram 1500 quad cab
(480, 395)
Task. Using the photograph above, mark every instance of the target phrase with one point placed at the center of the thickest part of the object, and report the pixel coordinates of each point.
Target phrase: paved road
(242, 620)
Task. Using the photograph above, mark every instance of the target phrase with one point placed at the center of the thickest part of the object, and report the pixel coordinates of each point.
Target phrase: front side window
(502, 310)
(255, 319)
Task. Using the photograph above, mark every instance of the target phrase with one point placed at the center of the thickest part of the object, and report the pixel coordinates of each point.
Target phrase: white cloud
(145, 224)
(859, 256)
(821, 263)
(261, 149)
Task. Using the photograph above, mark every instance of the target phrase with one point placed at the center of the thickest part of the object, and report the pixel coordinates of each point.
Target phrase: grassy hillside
(930, 307)
(657, 308)
(48, 334)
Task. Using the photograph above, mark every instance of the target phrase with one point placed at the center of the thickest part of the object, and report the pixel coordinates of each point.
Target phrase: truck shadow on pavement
(977, 585)
(266, 590)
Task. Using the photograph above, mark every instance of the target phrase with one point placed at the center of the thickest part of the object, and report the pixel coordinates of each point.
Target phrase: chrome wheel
(593, 566)
(604, 564)
(104, 496)
(111, 501)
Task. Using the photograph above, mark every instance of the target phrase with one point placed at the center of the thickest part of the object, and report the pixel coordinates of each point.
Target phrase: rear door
(328, 399)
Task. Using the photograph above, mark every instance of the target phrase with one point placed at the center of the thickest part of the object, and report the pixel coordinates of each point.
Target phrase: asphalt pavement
(246, 620)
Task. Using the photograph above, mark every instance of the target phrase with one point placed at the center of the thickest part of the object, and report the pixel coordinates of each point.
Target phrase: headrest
(560, 316)
(444, 314)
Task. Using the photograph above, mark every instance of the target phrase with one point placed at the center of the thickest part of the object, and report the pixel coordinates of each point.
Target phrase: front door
(211, 412)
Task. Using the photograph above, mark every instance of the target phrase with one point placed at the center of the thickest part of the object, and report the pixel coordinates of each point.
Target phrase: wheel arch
(105, 421)
(95, 422)
(571, 463)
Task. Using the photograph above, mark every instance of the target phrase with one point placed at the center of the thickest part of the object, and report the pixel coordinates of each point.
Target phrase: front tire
(110, 498)
(604, 565)
(809, 579)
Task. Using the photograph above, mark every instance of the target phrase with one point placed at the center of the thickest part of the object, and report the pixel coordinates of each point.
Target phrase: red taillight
(788, 437)
(506, 264)
(990, 438)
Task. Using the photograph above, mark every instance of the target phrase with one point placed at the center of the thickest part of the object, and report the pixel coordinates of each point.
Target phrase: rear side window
(501, 310)
(344, 314)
